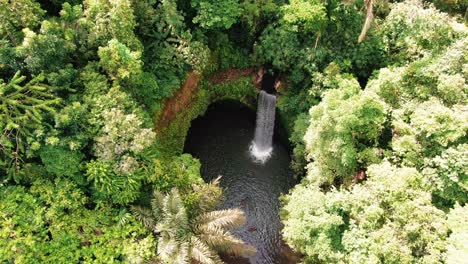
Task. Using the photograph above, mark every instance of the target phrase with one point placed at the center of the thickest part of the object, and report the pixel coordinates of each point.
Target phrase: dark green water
(220, 140)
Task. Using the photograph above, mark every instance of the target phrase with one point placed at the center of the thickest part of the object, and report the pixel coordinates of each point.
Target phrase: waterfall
(262, 147)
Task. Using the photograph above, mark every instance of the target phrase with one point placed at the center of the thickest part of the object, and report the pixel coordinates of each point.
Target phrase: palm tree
(182, 240)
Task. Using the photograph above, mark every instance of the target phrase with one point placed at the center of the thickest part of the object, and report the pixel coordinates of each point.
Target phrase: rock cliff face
(184, 95)
(180, 100)
(231, 75)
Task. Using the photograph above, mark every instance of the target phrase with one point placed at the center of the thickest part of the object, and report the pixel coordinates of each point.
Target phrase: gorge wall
(194, 97)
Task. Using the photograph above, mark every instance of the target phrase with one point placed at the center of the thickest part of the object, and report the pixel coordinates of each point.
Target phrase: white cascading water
(262, 147)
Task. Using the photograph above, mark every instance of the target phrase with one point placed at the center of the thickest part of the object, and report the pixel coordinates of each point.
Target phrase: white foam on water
(260, 156)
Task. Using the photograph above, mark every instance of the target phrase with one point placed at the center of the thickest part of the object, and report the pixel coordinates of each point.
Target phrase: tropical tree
(414, 29)
(216, 14)
(23, 106)
(457, 248)
(343, 133)
(388, 218)
(111, 20)
(198, 237)
(16, 15)
(118, 61)
(116, 174)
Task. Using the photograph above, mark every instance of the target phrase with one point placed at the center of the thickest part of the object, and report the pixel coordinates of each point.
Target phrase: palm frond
(224, 241)
(145, 216)
(182, 256)
(218, 238)
(173, 251)
(182, 218)
(226, 219)
(123, 217)
(157, 204)
(172, 202)
(241, 249)
(173, 212)
(210, 195)
(202, 253)
(167, 247)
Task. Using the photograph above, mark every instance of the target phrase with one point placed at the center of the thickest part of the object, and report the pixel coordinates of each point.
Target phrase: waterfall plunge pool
(220, 140)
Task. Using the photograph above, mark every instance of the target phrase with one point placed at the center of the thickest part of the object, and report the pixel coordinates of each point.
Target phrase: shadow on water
(220, 140)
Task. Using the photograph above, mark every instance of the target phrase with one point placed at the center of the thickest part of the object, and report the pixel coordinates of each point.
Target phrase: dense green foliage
(24, 107)
(81, 82)
(378, 127)
(382, 218)
(49, 223)
(357, 117)
(386, 168)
